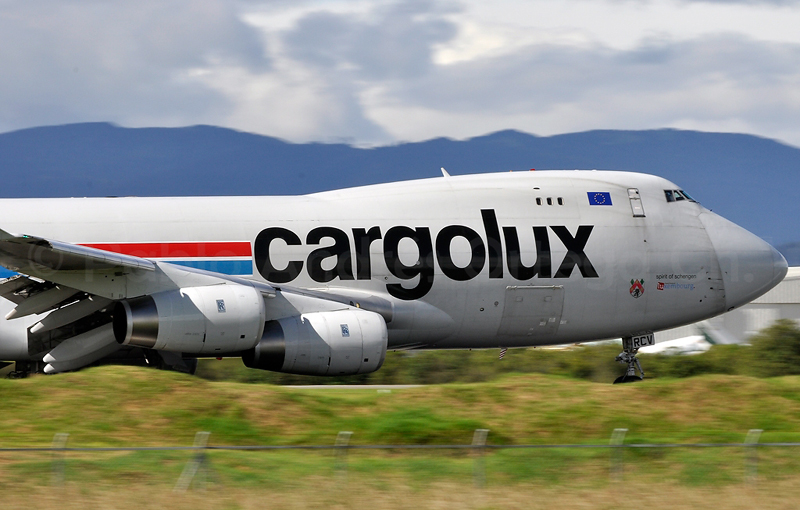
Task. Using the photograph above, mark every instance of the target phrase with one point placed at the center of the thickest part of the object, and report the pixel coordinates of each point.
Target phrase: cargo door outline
(532, 311)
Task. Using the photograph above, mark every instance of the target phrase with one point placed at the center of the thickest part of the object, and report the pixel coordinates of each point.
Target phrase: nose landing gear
(630, 346)
(630, 372)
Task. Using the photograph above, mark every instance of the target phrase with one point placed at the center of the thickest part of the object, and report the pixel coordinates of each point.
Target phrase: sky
(382, 72)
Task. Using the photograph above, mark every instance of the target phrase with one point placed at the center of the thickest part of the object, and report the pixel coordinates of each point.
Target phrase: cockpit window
(676, 195)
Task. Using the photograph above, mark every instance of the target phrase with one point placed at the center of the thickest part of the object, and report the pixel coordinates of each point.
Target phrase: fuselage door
(636, 203)
(532, 311)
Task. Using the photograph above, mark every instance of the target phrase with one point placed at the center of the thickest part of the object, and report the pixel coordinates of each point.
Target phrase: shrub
(776, 350)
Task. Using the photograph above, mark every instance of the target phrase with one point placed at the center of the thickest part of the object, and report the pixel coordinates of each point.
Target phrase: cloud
(325, 63)
(547, 88)
(378, 72)
(119, 61)
(395, 42)
(294, 103)
(539, 75)
(778, 3)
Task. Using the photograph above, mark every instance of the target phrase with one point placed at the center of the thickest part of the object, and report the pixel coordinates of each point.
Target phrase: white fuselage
(493, 260)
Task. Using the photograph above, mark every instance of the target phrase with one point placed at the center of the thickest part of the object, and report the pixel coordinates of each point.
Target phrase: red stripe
(172, 250)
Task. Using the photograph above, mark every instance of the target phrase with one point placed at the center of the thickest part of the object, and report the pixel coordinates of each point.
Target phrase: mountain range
(750, 180)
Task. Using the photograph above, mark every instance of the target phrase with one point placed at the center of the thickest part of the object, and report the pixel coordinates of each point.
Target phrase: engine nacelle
(344, 342)
(198, 320)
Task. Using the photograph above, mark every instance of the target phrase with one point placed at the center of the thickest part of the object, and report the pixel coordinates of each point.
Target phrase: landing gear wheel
(628, 356)
(627, 378)
(22, 369)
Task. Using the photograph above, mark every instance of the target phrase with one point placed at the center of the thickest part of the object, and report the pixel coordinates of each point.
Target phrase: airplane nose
(750, 266)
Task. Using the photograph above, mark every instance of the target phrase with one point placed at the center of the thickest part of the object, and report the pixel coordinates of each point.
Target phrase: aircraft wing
(97, 272)
(77, 288)
(35, 255)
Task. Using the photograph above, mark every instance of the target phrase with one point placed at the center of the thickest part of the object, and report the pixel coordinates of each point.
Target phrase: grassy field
(401, 497)
(110, 406)
(358, 494)
(124, 406)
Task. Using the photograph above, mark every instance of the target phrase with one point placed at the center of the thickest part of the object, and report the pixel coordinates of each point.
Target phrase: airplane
(324, 284)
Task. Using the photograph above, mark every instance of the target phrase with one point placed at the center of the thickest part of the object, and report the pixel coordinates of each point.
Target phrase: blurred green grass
(775, 351)
(128, 406)
(123, 406)
(530, 397)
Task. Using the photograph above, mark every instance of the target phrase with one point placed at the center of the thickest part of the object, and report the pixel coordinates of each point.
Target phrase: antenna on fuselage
(444, 173)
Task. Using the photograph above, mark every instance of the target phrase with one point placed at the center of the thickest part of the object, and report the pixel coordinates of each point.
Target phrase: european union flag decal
(599, 197)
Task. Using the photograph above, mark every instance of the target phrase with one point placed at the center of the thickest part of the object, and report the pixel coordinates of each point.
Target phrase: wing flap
(37, 256)
(69, 313)
(79, 351)
(14, 288)
(42, 302)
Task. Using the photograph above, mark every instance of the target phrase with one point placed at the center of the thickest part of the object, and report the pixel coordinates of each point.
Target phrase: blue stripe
(231, 267)
(6, 273)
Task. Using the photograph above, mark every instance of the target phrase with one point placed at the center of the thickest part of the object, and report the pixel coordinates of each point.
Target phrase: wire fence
(196, 470)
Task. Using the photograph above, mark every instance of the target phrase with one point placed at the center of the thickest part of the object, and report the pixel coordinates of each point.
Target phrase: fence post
(751, 455)
(479, 447)
(617, 468)
(197, 464)
(340, 448)
(59, 443)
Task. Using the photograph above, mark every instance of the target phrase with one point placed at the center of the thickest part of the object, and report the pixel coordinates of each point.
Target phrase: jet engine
(343, 342)
(195, 320)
